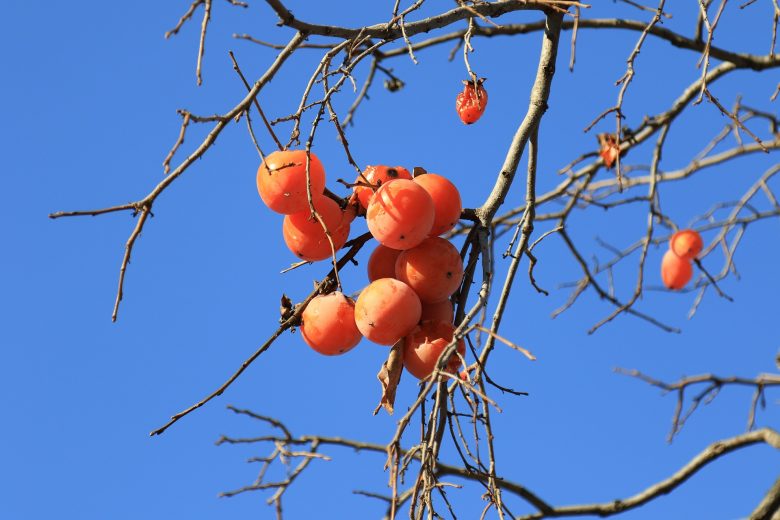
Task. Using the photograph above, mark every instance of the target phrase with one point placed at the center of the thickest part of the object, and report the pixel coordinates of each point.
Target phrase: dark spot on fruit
(402, 237)
(392, 172)
(449, 274)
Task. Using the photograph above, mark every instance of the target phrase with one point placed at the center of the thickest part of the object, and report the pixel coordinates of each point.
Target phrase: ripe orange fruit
(471, 102)
(433, 269)
(400, 214)
(381, 263)
(439, 311)
(686, 244)
(423, 347)
(378, 175)
(328, 324)
(387, 310)
(305, 236)
(446, 201)
(281, 180)
(675, 271)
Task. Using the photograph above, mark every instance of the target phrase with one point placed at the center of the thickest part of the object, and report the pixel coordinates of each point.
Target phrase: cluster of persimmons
(413, 272)
(676, 268)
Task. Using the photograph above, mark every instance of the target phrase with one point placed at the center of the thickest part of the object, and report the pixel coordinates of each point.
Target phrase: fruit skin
(387, 310)
(378, 175)
(381, 263)
(471, 102)
(281, 180)
(686, 244)
(438, 311)
(304, 235)
(423, 347)
(676, 272)
(400, 214)
(433, 269)
(328, 324)
(446, 201)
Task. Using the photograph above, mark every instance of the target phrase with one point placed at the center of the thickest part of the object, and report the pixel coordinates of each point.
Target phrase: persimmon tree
(446, 433)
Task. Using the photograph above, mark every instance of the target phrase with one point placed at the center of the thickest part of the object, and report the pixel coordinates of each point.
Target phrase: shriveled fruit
(381, 263)
(433, 269)
(387, 310)
(675, 271)
(400, 214)
(378, 176)
(438, 311)
(281, 180)
(471, 102)
(446, 201)
(305, 236)
(686, 244)
(423, 347)
(608, 149)
(328, 324)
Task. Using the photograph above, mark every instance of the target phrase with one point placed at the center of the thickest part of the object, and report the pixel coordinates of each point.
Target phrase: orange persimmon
(387, 310)
(305, 236)
(281, 180)
(433, 269)
(446, 201)
(423, 347)
(381, 263)
(377, 176)
(675, 271)
(400, 214)
(328, 324)
(438, 311)
(686, 244)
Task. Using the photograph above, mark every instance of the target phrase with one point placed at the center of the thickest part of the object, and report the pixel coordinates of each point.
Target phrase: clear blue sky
(90, 91)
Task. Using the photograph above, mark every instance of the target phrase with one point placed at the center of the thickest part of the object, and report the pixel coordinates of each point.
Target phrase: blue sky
(90, 94)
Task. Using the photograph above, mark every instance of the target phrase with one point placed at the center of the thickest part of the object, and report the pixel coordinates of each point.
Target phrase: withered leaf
(389, 376)
(285, 307)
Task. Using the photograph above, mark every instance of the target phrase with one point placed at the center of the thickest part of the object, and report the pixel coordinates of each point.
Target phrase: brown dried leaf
(418, 170)
(389, 376)
(285, 307)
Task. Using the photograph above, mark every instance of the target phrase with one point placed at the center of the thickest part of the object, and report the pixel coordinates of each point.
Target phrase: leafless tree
(460, 414)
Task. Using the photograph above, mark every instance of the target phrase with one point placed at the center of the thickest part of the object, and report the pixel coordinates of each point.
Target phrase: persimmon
(387, 310)
(423, 347)
(686, 244)
(675, 271)
(281, 180)
(608, 149)
(433, 269)
(305, 236)
(377, 175)
(471, 102)
(400, 214)
(438, 311)
(446, 201)
(328, 324)
(381, 263)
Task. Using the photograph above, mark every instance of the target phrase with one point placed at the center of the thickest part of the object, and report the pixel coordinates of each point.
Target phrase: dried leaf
(389, 376)
(285, 307)
(418, 170)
